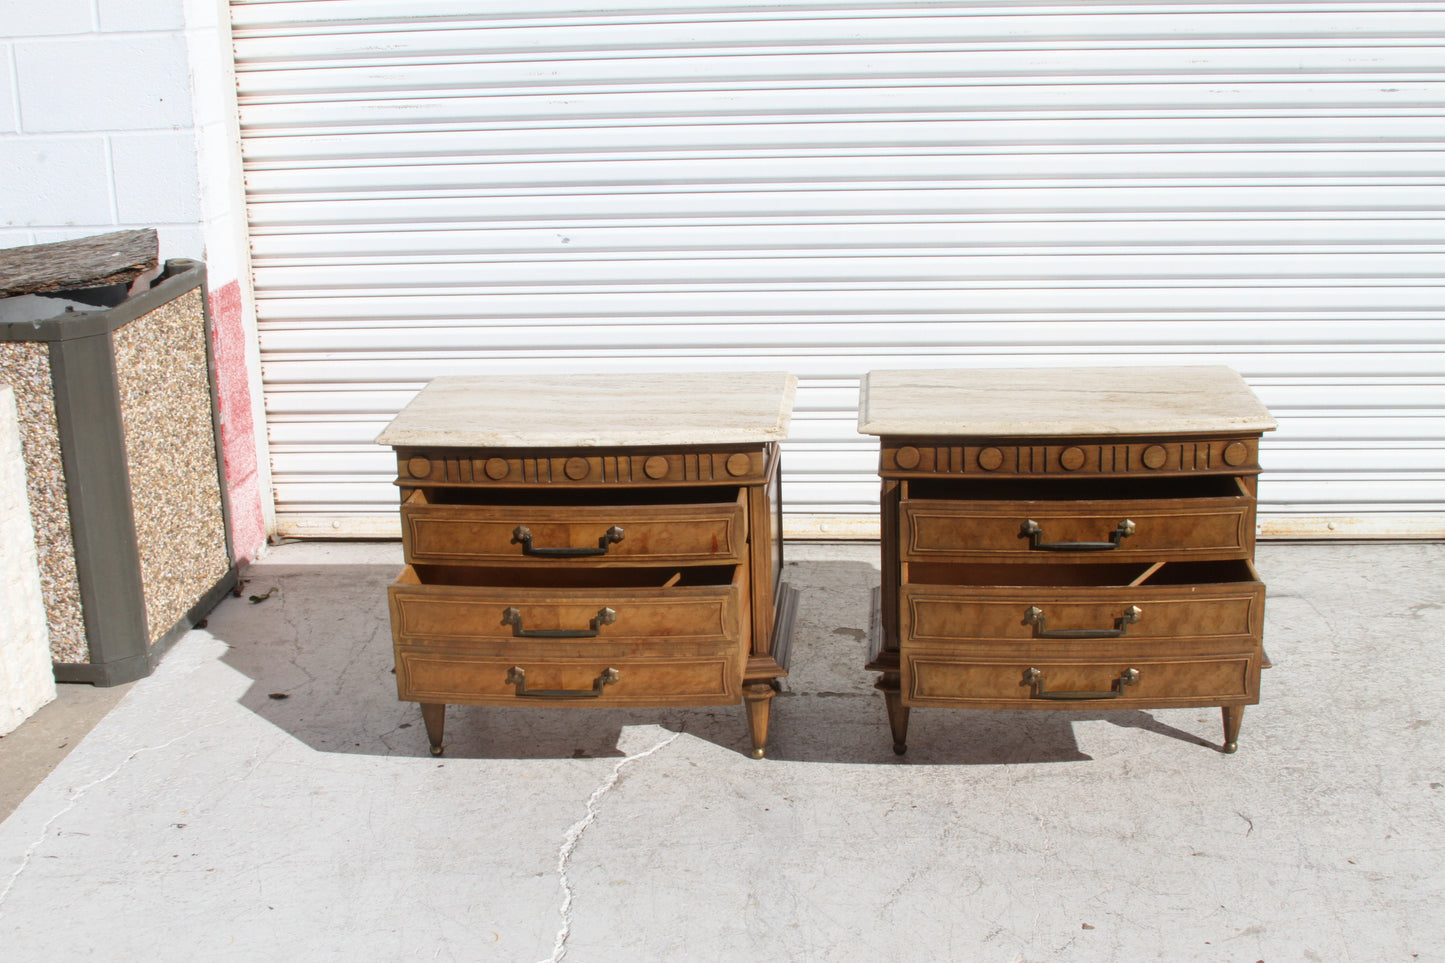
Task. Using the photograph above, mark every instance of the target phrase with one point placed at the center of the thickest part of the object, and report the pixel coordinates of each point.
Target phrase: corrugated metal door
(828, 188)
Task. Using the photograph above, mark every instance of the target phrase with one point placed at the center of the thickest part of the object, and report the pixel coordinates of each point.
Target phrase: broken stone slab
(104, 261)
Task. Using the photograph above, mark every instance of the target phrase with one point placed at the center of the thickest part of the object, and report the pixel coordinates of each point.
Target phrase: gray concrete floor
(31, 752)
(265, 796)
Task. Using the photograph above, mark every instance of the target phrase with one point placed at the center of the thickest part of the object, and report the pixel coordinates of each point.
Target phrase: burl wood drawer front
(434, 531)
(432, 604)
(1082, 530)
(1184, 600)
(606, 678)
(1032, 679)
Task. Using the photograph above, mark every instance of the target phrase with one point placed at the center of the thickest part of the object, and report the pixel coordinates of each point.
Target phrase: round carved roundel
(655, 467)
(990, 459)
(1155, 456)
(576, 468)
(1072, 459)
(418, 466)
(907, 457)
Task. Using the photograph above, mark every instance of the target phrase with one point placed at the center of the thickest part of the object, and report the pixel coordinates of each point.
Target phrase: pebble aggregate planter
(124, 473)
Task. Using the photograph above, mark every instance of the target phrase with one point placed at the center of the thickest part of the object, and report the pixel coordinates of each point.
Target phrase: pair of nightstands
(1050, 538)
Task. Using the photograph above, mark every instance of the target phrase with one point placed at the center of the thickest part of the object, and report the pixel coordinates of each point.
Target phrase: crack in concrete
(574, 836)
(75, 796)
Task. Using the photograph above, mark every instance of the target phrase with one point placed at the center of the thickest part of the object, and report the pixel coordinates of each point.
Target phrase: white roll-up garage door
(827, 188)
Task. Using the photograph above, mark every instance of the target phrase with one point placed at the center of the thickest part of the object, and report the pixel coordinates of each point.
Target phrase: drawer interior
(1077, 489)
(1110, 574)
(576, 497)
(565, 577)
(1194, 573)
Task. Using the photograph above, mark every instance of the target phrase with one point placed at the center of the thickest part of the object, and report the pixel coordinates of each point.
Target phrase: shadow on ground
(316, 641)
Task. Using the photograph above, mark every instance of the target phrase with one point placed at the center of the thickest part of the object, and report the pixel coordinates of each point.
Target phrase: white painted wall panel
(828, 188)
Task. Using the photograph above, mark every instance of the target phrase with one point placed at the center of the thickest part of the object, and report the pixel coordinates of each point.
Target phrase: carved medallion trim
(1138, 456)
(487, 468)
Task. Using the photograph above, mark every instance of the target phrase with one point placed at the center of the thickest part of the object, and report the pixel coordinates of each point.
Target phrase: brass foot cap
(1231, 746)
(437, 750)
(899, 748)
(758, 752)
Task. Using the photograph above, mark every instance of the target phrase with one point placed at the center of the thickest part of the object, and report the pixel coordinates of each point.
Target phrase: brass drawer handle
(1034, 616)
(523, 534)
(1034, 532)
(513, 616)
(517, 677)
(1035, 678)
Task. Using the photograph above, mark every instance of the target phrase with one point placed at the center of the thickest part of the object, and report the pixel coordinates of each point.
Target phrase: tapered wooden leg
(434, 715)
(889, 684)
(1233, 716)
(758, 697)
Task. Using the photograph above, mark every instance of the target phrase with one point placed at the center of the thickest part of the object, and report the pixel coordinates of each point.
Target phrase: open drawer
(1198, 517)
(1177, 634)
(582, 636)
(459, 605)
(1066, 603)
(657, 526)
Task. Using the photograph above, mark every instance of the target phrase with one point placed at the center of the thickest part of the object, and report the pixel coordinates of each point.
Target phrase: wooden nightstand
(1056, 538)
(592, 540)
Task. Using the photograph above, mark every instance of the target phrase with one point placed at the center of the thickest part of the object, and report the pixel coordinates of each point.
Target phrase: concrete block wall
(96, 128)
(232, 307)
(26, 681)
(121, 114)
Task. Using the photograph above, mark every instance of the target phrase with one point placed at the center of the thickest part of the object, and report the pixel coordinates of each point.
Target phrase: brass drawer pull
(513, 616)
(517, 677)
(1034, 532)
(1034, 616)
(523, 534)
(1035, 678)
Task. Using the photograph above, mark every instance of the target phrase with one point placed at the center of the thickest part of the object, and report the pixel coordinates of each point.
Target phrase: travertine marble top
(1059, 401)
(593, 411)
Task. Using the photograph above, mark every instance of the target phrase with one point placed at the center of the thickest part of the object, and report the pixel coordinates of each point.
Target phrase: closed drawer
(459, 605)
(1038, 679)
(1184, 633)
(1064, 521)
(607, 677)
(452, 527)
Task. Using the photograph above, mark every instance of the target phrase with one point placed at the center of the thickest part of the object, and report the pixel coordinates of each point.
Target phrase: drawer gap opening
(1144, 576)
(1120, 574)
(1192, 573)
(1117, 573)
(577, 578)
(592, 498)
(1066, 489)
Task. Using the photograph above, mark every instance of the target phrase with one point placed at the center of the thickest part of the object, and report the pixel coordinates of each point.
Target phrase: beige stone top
(596, 410)
(1039, 402)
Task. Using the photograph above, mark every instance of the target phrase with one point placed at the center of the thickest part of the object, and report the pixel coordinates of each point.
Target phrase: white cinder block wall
(118, 114)
(96, 122)
(26, 682)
